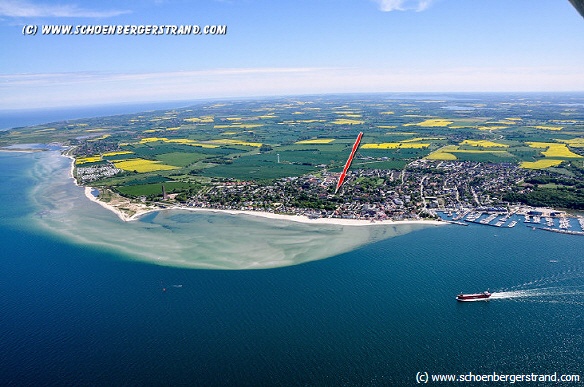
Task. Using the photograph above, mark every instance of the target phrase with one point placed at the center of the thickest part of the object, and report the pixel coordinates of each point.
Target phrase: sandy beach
(129, 211)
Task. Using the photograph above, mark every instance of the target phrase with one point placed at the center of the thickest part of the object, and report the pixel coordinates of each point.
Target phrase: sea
(13, 118)
(183, 298)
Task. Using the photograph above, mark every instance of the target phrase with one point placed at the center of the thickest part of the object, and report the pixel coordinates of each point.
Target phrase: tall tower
(164, 195)
(278, 158)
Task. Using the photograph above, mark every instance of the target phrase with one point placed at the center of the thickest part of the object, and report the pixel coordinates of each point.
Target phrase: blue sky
(281, 47)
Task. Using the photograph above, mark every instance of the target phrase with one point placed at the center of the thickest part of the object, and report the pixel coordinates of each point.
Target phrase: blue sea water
(75, 314)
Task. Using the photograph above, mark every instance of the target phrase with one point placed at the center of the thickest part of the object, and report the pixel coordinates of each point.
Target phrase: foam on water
(187, 239)
(539, 292)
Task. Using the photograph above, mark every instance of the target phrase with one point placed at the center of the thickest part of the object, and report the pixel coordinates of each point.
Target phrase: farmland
(262, 140)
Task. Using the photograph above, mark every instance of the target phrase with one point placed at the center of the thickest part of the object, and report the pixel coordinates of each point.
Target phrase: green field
(221, 140)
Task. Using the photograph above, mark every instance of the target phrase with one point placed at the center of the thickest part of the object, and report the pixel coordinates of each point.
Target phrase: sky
(286, 47)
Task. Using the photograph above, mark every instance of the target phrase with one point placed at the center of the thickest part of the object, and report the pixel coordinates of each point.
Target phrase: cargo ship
(484, 296)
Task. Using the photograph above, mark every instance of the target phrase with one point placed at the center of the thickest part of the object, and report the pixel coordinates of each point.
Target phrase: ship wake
(556, 294)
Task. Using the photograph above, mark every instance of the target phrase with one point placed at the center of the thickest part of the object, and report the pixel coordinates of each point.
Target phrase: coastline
(140, 210)
(122, 206)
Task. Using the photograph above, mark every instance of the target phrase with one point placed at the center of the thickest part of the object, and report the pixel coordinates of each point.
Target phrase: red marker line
(349, 161)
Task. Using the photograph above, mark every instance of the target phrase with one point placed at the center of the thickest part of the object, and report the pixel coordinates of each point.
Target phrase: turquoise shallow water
(184, 238)
(74, 313)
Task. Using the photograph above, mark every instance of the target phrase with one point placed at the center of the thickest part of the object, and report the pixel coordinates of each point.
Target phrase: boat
(484, 296)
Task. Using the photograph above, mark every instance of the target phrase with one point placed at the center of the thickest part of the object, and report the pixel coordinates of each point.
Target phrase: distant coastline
(15, 118)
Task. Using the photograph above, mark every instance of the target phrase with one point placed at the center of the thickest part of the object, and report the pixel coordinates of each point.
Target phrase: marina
(542, 219)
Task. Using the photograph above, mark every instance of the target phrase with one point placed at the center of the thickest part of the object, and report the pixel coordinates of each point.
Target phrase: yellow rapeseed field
(89, 159)
(237, 142)
(146, 140)
(100, 138)
(480, 151)
(484, 144)
(346, 121)
(142, 165)
(442, 153)
(395, 145)
(201, 120)
(548, 127)
(432, 123)
(540, 164)
(316, 141)
(309, 121)
(575, 142)
(493, 127)
(184, 141)
(117, 153)
(238, 126)
(554, 149)
(560, 150)
(441, 156)
(422, 139)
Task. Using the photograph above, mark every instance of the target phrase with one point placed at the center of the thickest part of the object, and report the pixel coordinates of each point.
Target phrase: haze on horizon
(288, 48)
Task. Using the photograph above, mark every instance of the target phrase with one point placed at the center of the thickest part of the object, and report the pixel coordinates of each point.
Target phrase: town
(423, 189)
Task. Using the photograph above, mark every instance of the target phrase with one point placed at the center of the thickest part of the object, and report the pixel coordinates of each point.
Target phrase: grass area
(257, 168)
(180, 159)
(484, 156)
(383, 164)
(418, 139)
(156, 188)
